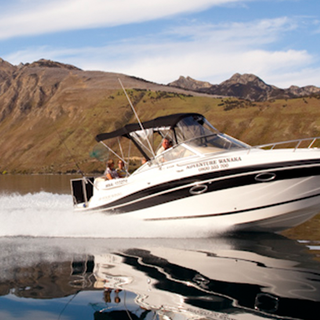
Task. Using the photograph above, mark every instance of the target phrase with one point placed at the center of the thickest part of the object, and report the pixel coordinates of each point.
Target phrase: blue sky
(208, 40)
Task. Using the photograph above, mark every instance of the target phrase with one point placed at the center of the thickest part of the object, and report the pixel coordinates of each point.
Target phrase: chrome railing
(295, 144)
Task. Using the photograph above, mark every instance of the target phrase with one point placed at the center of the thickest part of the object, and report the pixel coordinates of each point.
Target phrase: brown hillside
(51, 112)
(45, 103)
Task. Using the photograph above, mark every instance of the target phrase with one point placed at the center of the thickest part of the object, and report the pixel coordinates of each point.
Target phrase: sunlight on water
(46, 214)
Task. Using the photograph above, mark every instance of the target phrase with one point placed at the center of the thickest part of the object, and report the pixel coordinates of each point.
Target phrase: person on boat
(120, 170)
(166, 144)
(110, 172)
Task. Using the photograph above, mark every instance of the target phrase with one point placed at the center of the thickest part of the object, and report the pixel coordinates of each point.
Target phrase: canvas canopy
(155, 124)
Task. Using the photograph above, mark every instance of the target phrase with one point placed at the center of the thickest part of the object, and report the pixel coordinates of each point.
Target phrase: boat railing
(295, 144)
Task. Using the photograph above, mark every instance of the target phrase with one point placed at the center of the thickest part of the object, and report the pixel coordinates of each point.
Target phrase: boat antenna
(136, 115)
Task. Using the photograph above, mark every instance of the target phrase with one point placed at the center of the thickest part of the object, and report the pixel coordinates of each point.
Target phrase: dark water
(58, 265)
(23, 184)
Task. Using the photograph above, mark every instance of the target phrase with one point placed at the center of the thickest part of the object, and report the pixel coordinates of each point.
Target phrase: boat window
(228, 142)
(191, 127)
(142, 137)
(191, 135)
(215, 142)
(199, 134)
(176, 152)
(160, 135)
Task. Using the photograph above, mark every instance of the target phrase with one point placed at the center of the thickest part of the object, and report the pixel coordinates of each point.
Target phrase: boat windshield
(191, 135)
(196, 136)
(199, 132)
(193, 127)
(188, 134)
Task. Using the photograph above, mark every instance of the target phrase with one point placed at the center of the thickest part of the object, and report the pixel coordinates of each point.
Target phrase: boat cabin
(187, 135)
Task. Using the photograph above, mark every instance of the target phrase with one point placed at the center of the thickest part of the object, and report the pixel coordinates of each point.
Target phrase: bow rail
(294, 144)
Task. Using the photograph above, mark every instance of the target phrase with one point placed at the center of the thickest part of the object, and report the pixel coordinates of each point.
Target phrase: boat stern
(81, 190)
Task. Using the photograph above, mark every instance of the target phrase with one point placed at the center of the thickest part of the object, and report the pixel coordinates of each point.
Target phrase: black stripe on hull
(214, 181)
(234, 212)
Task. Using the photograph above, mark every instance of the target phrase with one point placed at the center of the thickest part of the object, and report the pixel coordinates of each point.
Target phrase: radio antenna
(137, 117)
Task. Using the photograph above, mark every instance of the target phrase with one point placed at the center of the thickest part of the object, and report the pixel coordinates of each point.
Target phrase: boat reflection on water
(261, 276)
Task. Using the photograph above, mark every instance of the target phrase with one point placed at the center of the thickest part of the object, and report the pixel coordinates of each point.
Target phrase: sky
(159, 41)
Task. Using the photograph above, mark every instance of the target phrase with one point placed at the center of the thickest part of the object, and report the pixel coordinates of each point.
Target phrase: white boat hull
(213, 211)
(241, 197)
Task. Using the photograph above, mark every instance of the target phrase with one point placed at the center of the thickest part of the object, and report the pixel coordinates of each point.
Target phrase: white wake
(46, 214)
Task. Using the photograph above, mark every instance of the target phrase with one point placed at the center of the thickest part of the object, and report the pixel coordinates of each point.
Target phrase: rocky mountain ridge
(51, 87)
(45, 103)
(245, 86)
(50, 112)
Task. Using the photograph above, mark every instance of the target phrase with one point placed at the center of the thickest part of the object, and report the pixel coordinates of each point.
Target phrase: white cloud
(205, 52)
(216, 67)
(39, 17)
(214, 57)
(301, 77)
(263, 31)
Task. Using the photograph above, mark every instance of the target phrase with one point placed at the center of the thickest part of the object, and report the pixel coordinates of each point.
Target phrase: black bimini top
(165, 121)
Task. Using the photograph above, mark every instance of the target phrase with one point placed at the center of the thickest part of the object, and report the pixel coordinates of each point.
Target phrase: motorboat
(205, 179)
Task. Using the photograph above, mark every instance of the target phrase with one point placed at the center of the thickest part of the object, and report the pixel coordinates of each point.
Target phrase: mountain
(246, 86)
(44, 84)
(190, 84)
(50, 112)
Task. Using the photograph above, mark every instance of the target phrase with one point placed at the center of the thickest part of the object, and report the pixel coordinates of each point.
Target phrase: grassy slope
(48, 143)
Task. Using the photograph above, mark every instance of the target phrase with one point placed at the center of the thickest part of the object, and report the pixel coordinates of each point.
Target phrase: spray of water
(46, 214)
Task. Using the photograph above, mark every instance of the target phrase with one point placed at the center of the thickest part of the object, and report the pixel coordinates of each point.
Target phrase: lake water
(55, 264)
